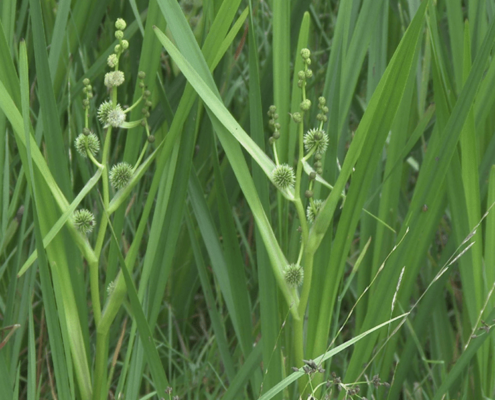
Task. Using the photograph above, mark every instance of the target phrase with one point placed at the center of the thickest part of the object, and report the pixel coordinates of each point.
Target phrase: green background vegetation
(399, 264)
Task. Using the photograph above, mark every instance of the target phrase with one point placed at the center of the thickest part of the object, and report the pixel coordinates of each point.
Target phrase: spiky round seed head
(91, 142)
(103, 111)
(308, 194)
(141, 75)
(313, 210)
(294, 275)
(276, 135)
(305, 105)
(296, 117)
(116, 117)
(119, 35)
(120, 24)
(301, 75)
(305, 53)
(322, 101)
(114, 78)
(151, 138)
(84, 220)
(316, 138)
(283, 176)
(120, 175)
(125, 44)
(309, 73)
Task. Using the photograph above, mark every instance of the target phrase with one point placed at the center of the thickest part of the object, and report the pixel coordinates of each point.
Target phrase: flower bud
(125, 44)
(141, 74)
(119, 35)
(305, 53)
(86, 82)
(297, 117)
(120, 24)
(151, 138)
(305, 105)
(308, 194)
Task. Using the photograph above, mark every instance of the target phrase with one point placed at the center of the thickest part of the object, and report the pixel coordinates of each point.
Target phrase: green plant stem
(297, 192)
(140, 157)
(134, 105)
(100, 377)
(93, 266)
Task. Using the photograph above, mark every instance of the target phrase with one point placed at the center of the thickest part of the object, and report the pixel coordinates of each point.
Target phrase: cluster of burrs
(111, 115)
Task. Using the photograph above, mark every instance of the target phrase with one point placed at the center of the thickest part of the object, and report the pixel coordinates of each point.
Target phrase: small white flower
(114, 79)
(115, 117)
(112, 60)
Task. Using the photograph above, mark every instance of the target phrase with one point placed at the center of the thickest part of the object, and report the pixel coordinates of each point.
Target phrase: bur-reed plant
(217, 252)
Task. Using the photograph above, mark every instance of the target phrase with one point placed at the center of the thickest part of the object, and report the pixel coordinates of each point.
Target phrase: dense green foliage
(162, 236)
